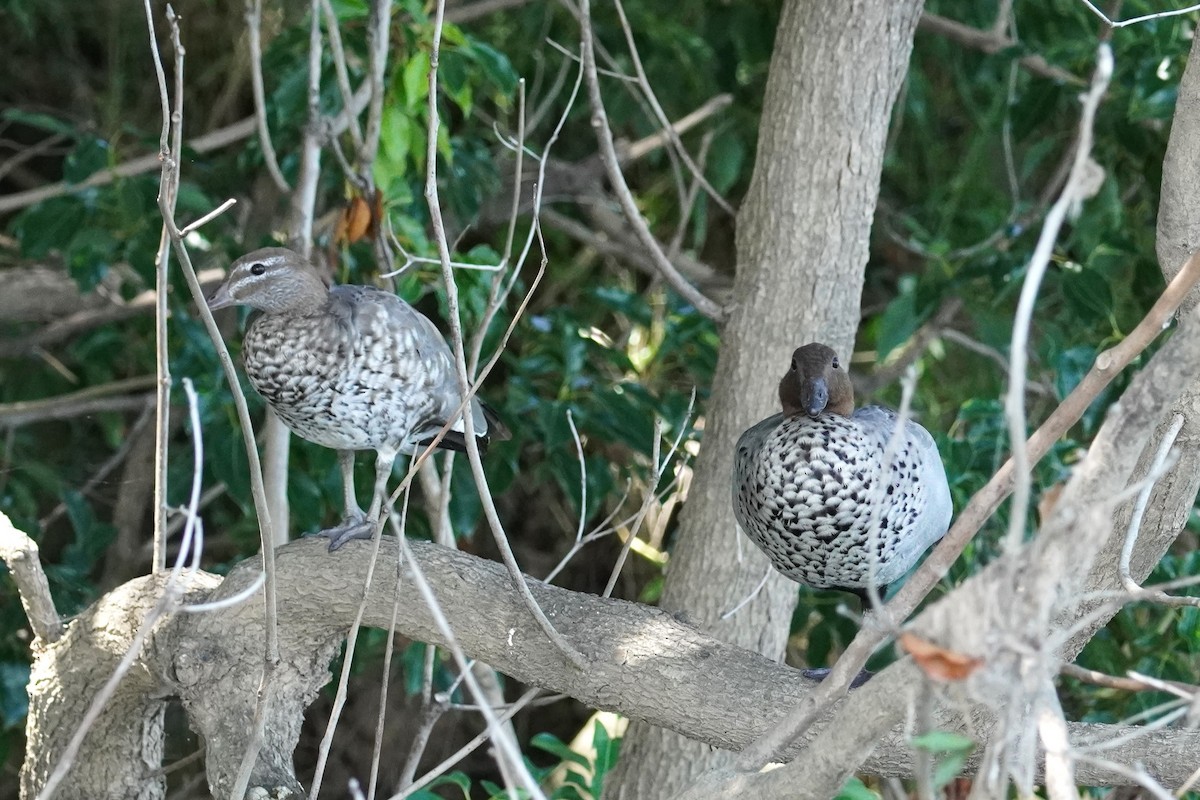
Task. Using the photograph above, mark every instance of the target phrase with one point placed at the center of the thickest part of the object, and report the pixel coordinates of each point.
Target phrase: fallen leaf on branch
(937, 662)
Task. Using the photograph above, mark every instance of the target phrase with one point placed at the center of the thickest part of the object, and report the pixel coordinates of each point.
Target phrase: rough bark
(802, 249)
(1178, 234)
(645, 663)
(125, 745)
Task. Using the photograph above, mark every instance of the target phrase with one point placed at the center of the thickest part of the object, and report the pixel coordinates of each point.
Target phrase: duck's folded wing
(879, 423)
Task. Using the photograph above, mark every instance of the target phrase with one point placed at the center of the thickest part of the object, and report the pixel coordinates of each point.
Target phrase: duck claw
(822, 673)
(361, 528)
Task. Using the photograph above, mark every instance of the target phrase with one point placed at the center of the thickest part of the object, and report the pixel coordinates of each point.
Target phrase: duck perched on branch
(820, 491)
(350, 368)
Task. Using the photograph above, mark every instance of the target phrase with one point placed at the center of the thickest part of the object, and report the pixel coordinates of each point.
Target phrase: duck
(810, 487)
(350, 368)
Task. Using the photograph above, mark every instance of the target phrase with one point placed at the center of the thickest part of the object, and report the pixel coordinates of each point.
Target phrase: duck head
(815, 383)
(273, 280)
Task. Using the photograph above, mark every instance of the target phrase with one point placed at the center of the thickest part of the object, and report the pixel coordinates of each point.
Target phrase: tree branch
(635, 653)
(991, 43)
(20, 555)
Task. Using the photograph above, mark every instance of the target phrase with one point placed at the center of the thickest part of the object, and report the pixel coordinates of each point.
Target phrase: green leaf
(34, 119)
(556, 747)
(456, 779)
(899, 321)
(416, 80)
(89, 156)
(943, 742)
(14, 699)
(948, 769)
(854, 789)
(48, 226)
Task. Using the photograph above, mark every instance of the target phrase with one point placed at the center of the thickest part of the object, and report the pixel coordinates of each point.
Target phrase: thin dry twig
(168, 602)
(169, 183)
(169, 141)
(1127, 684)
(1136, 20)
(1080, 186)
(661, 115)
(1157, 468)
(465, 388)
(608, 155)
(92, 400)
(129, 438)
(468, 748)
(340, 68)
(254, 35)
(495, 729)
(992, 42)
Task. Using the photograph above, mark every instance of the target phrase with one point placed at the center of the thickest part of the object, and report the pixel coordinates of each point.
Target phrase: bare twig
(173, 587)
(254, 34)
(1135, 20)
(496, 730)
(635, 151)
(378, 37)
(20, 554)
(111, 463)
(667, 127)
(1128, 684)
(992, 42)
(169, 182)
(137, 166)
(1080, 186)
(91, 318)
(106, 397)
(169, 142)
(489, 506)
(30, 152)
(466, 749)
(338, 56)
(1157, 468)
(339, 700)
(608, 154)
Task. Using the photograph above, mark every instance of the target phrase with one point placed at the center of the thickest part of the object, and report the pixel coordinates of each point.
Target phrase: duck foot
(822, 673)
(351, 528)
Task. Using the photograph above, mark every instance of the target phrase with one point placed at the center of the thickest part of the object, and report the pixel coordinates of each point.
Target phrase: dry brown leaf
(937, 662)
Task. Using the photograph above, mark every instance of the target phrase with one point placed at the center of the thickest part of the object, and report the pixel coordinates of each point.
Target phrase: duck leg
(357, 525)
(384, 460)
(354, 524)
(821, 673)
(353, 513)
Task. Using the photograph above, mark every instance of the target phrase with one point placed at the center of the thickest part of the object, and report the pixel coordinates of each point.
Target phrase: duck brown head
(815, 383)
(274, 280)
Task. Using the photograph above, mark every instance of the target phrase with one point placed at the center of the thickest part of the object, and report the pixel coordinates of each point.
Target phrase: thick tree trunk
(802, 248)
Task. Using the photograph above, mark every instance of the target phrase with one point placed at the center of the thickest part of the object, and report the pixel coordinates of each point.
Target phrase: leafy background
(975, 145)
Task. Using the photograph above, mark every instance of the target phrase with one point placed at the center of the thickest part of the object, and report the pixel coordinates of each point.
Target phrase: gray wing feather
(349, 302)
(880, 422)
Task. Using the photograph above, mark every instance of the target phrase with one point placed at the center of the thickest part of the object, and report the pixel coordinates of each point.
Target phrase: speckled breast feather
(813, 495)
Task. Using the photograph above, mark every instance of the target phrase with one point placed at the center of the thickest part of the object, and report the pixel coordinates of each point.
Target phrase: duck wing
(916, 474)
(418, 349)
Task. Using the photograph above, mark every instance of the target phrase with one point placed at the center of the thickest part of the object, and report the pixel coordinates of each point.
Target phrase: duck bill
(814, 396)
(221, 298)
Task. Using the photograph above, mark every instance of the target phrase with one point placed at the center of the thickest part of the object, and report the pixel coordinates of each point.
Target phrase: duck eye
(258, 269)
(836, 364)
(795, 365)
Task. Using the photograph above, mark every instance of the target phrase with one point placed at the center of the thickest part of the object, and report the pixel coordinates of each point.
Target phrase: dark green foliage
(599, 342)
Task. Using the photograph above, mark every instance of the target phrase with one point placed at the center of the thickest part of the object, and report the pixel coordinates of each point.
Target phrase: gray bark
(644, 663)
(803, 236)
